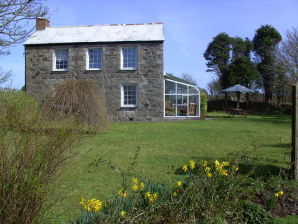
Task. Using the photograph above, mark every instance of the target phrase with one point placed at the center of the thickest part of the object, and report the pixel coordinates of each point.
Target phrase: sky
(189, 26)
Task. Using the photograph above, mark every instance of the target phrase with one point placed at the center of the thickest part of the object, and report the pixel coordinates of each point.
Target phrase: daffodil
(225, 163)
(135, 180)
(204, 163)
(122, 193)
(209, 175)
(151, 197)
(92, 204)
(280, 193)
(142, 186)
(135, 187)
(192, 164)
(122, 213)
(175, 194)
(184, 168)
(179, 183)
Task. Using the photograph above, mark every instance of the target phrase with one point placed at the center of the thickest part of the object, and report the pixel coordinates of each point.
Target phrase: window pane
(181, 89)
(61, 56)
(193, 105)
(192, 90)
(170, 105)
(130, 94)
(129, 57)
(181, 110)
(170, 87)
(95, 58)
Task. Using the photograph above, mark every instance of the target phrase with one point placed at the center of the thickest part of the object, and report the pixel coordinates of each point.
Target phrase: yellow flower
(175, 194)
(179, 183)
(192, 164)
(209, 175)
(204, 163)
(142, 186)
(225, 163)
(135, 187)
(224, 173)
(92, 204)
(122, 213)
(184, 168)
(135, 180)
(279, 194)
(151, 198)
(207, 169)
(236, 168)
(122, 193)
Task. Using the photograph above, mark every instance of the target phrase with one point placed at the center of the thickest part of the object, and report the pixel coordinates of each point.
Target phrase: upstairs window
(129, 58)
(61, 59)
(129, 95)
(94, 59)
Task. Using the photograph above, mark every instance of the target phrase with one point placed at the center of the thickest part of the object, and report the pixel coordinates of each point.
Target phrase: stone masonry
(40, 77)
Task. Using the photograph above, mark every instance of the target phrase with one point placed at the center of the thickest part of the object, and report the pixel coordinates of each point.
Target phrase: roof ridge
(99, 25)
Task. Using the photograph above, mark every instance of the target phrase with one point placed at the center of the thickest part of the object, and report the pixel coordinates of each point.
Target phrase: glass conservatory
(182, 99)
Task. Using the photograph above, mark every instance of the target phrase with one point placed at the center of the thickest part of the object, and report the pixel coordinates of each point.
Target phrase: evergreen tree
(265, 42)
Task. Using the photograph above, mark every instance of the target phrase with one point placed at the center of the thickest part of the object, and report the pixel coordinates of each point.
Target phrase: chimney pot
(42, 23)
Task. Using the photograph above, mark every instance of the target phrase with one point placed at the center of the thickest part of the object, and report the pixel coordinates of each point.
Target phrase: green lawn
(164, 144)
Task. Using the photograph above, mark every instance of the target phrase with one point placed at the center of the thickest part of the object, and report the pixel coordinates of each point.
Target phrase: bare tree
(15, 16)
(214, 86)
(287, 54)
(189, 78)
(4, 76)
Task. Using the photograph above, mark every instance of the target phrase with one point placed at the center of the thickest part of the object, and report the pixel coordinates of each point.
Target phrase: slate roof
(98, 33)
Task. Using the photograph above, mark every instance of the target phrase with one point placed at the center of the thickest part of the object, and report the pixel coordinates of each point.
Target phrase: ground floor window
(129, 95)
(181, 100)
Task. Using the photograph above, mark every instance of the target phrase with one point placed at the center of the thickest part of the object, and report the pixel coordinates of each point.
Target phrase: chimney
(42, 23)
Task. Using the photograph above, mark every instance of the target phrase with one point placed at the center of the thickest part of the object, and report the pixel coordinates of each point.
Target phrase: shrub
(80, 99)
(31, 152)
(203, 104)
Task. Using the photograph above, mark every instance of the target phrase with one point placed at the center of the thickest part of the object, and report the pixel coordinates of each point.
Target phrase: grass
(165, 145)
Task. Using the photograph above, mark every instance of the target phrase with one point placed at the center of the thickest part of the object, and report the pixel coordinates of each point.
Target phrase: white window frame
(54, 59)
(122, 95)
(122, 58)
(184, 94)
(87, 58)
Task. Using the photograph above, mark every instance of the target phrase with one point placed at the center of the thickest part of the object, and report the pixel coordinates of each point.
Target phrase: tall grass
(31, 151)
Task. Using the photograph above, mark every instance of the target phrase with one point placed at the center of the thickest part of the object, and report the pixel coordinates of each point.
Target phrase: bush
(204, 102)
(31, 152)
(80, 99)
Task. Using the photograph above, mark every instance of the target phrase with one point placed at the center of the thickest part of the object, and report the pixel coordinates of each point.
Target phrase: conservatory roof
(98, 33)
(174, 78)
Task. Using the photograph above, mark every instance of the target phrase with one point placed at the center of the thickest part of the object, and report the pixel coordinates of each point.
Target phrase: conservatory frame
(187, 95)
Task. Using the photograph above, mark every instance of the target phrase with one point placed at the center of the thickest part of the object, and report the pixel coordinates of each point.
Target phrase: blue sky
(189, 26)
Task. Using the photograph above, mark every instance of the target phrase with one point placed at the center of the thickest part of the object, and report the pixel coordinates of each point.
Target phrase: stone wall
(40, 76)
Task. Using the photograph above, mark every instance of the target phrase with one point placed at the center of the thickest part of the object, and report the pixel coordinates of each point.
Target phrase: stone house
(124, 60)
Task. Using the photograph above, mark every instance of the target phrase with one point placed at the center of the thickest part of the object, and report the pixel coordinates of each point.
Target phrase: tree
(241, 48)
(265, 42)
(214, 86)
(287, 54)
(189, 78)
(217, 56)
(242, 71)
(15, 16)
